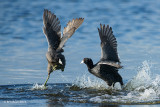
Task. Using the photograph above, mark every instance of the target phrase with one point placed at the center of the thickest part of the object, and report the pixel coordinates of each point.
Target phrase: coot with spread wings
(107, 67)
(52, 30)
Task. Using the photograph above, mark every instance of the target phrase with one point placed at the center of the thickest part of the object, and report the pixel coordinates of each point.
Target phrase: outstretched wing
(68, 31)
(51, 29)
(108, 44)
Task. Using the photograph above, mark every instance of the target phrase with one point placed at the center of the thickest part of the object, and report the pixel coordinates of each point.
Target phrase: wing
(51, 29)
(68, 31)
(108, 44)
(113, 64)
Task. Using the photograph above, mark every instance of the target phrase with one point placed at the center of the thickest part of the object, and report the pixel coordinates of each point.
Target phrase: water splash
(38, 87)
(144, 85)
(142, 78)
(86, 81)
(89, 81)
(141, 89)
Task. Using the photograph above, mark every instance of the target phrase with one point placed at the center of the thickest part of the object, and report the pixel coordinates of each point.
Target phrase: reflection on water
(23, 45)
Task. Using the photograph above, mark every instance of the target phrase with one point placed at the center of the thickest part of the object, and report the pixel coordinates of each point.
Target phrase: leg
(47, 80)
(49, 69)
(54, 67)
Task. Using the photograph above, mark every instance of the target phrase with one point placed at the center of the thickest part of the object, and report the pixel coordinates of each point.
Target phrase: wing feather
(68, 31)
(108, 44)
(51, 29)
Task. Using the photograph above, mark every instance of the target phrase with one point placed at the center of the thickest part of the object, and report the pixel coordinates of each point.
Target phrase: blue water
(23, 45)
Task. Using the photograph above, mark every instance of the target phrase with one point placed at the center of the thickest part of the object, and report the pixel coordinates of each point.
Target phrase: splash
(142, 78)
(142, 89)
(89, 81)
(38, 87)
(145, 87)
(86, 81)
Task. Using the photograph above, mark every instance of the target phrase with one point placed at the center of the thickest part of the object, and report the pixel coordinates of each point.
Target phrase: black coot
(52, 31)
(107, 67)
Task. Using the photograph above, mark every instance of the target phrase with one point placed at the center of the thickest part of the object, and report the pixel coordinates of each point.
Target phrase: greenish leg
(46, 80)
(54, 67)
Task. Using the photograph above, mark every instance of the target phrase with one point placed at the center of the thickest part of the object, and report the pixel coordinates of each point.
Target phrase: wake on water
(142, 88)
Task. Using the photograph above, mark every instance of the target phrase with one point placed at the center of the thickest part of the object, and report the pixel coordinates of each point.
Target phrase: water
(23, 46)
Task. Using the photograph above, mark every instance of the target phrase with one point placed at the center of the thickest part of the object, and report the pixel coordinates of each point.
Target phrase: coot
(107, 67)
(52, 30)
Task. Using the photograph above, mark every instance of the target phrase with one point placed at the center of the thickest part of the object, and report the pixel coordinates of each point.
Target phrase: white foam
(142, 88)
(141, 79)
(117, 86)
(144, 85)
(88, 81)
(38, 87)
(148, 94)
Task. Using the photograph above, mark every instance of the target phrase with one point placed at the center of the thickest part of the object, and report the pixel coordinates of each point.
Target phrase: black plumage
(52, 30)
(107, 67)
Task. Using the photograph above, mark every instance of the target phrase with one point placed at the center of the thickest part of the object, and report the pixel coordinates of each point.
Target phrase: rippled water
(23, 45)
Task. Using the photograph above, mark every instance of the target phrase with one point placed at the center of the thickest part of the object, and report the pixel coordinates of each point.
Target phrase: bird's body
(52, 30)
(107, 67)
(106, 72)
(56, 61)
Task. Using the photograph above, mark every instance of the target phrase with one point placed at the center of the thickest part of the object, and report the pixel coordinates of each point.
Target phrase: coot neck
(90, 65)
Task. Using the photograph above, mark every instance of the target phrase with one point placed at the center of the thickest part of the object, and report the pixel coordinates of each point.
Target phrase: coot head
(88, 62)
